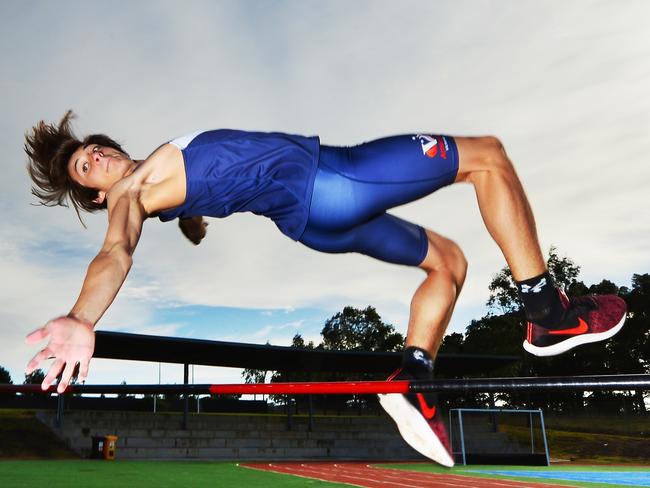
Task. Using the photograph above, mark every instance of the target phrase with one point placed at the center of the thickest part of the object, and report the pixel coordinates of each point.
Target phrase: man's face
(98, 167)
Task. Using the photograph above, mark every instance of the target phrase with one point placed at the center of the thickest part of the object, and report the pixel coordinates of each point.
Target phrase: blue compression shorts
(355, 186)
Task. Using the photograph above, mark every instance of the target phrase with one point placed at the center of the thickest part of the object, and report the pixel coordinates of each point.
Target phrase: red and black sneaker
(590, 318)
(419, 421)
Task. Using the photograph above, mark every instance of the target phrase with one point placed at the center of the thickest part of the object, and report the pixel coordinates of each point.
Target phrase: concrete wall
(234, 437)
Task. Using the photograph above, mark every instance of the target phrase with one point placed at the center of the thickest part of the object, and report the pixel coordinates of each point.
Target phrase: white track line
(413, 477)
(363, 478)
(357, 472)
(417, 477)
(289, 472)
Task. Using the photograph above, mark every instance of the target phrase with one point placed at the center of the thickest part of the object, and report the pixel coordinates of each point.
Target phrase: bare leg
(433, 302)
(509, 220)
(503, 203)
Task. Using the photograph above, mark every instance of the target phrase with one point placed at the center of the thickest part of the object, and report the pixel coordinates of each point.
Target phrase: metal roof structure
(139, 347)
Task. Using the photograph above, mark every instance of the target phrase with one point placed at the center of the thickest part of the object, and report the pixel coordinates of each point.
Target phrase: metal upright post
(155, 397)
(462, 436)
(289, 414)
(451, 432)
(310, 426)
(532, 437)
(60, 405)
(541, 419)
(186, 403)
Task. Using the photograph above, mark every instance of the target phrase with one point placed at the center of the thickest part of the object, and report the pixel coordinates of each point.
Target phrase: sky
(563, 84)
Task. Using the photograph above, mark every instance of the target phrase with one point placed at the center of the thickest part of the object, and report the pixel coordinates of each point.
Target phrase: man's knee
(445, 254)
(479, 155)
(459, 261)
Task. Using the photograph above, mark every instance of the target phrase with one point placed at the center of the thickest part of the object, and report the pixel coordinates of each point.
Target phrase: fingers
(75, 373)
(54, 371)
(83, 371)
(65, 379)
(37, 335)
(36, 360)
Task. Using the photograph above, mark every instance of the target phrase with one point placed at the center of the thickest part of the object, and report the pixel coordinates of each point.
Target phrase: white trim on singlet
(184, 141)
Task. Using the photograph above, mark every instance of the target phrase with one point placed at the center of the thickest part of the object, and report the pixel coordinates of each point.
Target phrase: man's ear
(101, 196)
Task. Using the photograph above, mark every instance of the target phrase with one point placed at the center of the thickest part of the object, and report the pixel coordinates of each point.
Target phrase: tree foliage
(501, 331)
(350, 329)
(5, 377)
(34, 378)
(360, 330)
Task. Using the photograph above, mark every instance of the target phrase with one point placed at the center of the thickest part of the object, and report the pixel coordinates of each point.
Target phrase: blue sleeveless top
(270, 174)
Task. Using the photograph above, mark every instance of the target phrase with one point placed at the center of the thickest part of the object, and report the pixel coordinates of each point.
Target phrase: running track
(368, 476)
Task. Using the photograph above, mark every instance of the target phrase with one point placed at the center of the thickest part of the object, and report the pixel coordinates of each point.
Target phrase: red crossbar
(325, 388)
(624, 382)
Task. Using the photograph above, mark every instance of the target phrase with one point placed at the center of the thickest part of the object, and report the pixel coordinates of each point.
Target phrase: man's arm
(72, 339)
(108, 270)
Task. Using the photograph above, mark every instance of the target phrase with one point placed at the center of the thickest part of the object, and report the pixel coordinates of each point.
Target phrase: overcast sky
(564, 84)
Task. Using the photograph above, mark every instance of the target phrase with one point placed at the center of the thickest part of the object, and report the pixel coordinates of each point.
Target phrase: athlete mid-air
(332, 199)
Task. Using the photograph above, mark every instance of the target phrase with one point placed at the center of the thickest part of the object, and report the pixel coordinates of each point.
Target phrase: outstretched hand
(72, 341)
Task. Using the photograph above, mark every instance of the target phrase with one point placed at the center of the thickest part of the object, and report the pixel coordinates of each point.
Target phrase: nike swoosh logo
(427, 411)
(580, 329)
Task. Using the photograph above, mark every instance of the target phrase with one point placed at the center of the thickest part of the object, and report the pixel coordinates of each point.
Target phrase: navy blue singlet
(228, 171)
(332, 199)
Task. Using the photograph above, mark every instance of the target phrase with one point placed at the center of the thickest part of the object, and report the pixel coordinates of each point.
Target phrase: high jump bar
(484, 385)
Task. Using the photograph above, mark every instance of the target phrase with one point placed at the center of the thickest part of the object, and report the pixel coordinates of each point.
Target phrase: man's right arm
(108, 270)
(72, 339)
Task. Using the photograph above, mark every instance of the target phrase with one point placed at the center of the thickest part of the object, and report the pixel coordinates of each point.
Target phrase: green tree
(350, 329)
(5, 377)
(34, 378)
(362, 330)
(252, 376)
(299, 342)
(358, 330)
(501, 331)
(453, 343)
(629, 350)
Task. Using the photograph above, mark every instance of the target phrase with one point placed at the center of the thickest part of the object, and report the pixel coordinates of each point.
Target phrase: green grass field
(161, 474)
(154, 474)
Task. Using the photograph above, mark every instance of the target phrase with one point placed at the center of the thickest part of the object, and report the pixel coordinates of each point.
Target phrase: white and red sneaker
(418, 421)
(590, 318)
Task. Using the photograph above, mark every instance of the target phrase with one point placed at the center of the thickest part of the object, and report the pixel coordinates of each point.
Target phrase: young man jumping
(332, 199)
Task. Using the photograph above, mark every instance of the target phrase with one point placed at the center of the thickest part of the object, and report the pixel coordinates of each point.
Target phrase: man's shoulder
(126, 189)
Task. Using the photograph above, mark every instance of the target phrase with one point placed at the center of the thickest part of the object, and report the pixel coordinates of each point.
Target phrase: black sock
(418, 362)
(541, 300)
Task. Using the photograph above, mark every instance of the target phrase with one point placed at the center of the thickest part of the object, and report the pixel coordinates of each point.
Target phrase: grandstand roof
(139, 347)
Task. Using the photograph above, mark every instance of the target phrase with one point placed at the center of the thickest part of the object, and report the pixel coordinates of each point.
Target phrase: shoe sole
(574, 341)
(415, 430)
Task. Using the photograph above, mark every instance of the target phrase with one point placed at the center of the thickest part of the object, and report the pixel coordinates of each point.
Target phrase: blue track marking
(615, 478)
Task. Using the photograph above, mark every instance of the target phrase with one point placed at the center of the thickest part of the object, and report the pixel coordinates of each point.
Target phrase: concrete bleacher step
(240, 437)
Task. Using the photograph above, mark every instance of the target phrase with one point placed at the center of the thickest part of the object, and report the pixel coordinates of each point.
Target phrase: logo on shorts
(432, 145)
